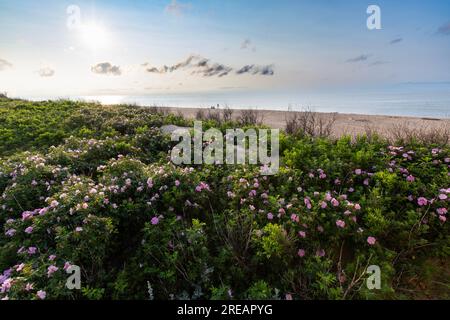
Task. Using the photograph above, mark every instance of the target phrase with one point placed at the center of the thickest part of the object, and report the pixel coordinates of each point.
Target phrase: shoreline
(345, 123)
(189, 107)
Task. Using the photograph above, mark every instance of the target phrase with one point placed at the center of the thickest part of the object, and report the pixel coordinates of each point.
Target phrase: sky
(76, 48)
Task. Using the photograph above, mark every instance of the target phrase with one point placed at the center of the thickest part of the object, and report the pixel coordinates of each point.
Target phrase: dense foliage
(92, 186)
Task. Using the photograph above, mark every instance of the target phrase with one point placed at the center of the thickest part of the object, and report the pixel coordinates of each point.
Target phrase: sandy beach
(352, 124)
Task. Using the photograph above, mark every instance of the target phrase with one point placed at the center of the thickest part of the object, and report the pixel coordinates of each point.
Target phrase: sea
(424, 100)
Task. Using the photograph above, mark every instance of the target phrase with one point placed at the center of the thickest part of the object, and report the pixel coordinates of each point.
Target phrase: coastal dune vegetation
(87, 185)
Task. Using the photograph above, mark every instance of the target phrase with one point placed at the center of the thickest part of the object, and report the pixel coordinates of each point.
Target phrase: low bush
(106, 199)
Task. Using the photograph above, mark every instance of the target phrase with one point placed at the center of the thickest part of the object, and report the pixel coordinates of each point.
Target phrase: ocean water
(410, 99)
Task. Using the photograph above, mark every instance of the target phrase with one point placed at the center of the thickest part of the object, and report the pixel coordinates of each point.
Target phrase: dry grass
(211, 114)
(218, 115)
(200, 115)
(227, 114)
(404, 132)
(250, 117)
(309, 123)
(159, 110)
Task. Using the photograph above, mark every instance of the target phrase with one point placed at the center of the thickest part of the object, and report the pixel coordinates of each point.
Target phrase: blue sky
(121, 47)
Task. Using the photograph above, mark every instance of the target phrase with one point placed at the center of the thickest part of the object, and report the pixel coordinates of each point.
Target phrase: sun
(94, 35)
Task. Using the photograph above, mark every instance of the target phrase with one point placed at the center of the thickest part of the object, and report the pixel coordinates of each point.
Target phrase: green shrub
(87, 185)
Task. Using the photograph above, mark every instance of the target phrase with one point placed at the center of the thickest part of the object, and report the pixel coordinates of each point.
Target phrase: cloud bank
(106, 68)
(202, 66)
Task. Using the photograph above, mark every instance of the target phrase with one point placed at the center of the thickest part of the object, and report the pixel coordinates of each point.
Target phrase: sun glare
(94, 36)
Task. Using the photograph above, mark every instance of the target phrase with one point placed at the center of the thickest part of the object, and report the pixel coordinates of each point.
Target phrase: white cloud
(4, 64)
(444, 29)
(246, 44)
(46, 72)
(176, 8)
(360, 58)
(106, 68)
